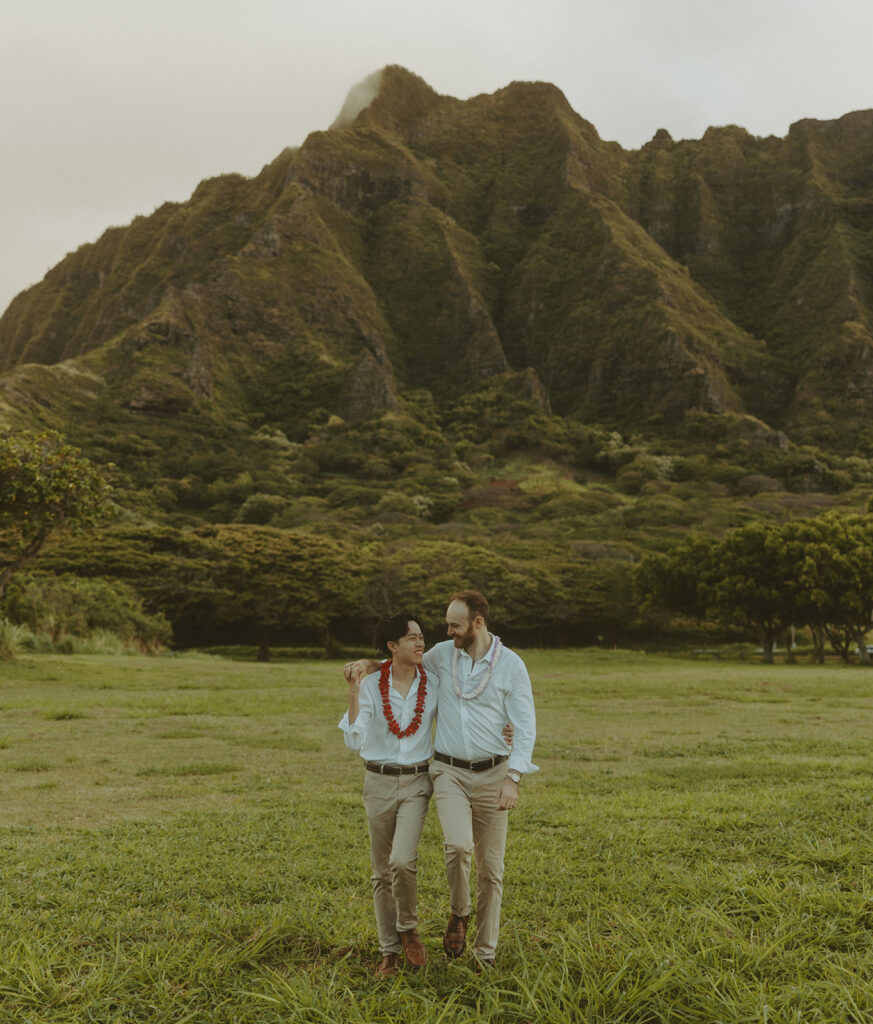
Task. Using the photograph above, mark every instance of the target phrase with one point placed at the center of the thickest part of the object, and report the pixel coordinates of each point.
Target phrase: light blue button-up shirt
(472, 729)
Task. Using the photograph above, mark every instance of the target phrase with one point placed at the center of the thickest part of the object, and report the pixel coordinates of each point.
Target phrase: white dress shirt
(369, 733)
(472, 729)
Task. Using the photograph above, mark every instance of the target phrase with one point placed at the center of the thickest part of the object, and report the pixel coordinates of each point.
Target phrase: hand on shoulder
(354, 671)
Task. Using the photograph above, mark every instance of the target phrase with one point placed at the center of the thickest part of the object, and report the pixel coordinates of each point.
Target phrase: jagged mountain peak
(391, 96)
(359, 97)
(437, 243)
(660, 140)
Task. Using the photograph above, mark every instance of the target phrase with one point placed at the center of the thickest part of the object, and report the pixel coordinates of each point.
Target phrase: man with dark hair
(477, 765)
(475, 773)
(389, 722)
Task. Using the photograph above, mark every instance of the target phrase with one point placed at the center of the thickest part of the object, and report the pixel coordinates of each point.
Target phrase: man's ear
(392, 647)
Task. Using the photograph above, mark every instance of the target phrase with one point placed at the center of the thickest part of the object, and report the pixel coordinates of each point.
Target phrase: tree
(279, 582)
(232, 583)
(816, 573)
(818, 577)
(751, 580)
(862, 530)
(837, 578)
(745, 580)
(832, 560)
(46, 485)
(421, 575)
(672, 582)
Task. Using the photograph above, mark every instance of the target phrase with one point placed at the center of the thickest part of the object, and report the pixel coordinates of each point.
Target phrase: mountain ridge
(429, 242)
(462, 343)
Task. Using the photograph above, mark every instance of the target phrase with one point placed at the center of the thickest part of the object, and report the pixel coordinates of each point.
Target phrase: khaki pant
(467, 806)
(396, 807)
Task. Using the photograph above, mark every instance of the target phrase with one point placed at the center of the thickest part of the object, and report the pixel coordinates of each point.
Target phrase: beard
(465, 640)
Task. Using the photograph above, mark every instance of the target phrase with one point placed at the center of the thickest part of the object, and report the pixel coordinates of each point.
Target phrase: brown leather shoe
(455, 936)
(416, 954)
(388, 965)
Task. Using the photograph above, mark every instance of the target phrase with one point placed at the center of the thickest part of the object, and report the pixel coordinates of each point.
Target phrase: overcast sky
(110, 107)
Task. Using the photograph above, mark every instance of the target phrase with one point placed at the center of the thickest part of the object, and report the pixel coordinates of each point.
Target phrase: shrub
(9, 640)
(99, 641)
(62, 607)
(260, 509)
(630, 482)
(754, 483)
(37, 643)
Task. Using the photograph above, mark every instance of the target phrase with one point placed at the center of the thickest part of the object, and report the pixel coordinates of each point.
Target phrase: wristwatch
(514, 775)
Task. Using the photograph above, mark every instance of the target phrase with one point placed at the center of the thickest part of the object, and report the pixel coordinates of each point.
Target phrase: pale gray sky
(110, 107)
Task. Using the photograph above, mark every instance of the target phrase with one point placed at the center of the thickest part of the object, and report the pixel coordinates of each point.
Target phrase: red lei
(393, 725)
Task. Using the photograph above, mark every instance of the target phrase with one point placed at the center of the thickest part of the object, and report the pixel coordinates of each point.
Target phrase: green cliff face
(779, 232)
(428, 246)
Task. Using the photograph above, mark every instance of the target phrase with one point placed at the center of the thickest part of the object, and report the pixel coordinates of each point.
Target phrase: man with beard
(475, 772)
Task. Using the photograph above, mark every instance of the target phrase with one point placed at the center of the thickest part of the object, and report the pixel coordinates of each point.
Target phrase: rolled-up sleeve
(520, 707)
(354, 732)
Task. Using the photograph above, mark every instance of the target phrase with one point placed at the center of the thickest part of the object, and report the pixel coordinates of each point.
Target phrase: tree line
(240, 584)
(767, 579)
(243, 583)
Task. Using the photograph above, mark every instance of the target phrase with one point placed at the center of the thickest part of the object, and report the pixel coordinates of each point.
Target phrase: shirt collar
(489, 654)
(414, 681)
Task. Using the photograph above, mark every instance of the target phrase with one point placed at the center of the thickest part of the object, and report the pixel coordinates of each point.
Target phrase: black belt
(473, 766)
(396, 769)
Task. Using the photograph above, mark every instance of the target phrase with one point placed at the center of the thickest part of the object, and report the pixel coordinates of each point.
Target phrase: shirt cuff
(517, 763)
(355, 729)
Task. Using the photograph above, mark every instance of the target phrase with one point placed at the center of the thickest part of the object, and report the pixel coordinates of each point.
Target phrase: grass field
(183, 840)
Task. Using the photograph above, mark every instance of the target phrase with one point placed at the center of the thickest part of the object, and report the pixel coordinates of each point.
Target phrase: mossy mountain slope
(433, 245)
(780, 233)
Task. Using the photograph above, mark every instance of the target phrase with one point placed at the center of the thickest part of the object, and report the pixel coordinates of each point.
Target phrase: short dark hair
(394, 628)
(474, 601)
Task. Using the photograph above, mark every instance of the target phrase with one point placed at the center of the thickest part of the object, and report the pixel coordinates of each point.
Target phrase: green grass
(183, 841)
